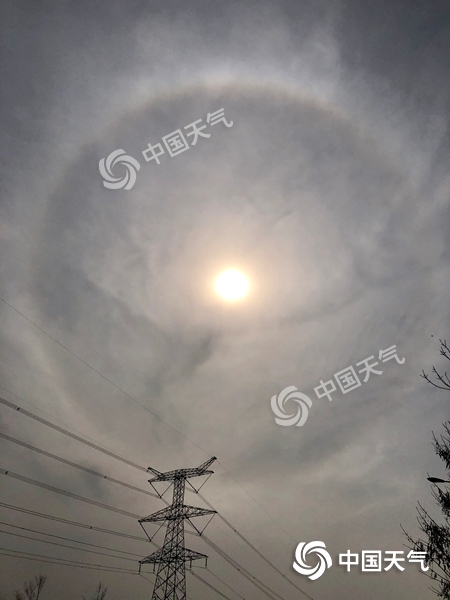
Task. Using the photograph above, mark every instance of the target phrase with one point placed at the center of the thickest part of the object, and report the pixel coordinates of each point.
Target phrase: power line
(75, 497)
(140, 468)
(66, 563)
(27, 413)
(209, 585)
(259, 584)
(70, 434)
(140, 404)
(104, 377)
(43, 411)
(254, 500)
(136, 466)
(69, 494)
(225, 584)
(174, 541)
(29, 537)
(256, 582)
(75, 465)
(59, 537)
(74, 523)
(257, 551)
(276, 522)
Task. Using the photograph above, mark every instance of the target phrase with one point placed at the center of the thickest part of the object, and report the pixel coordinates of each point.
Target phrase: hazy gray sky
(330, 192)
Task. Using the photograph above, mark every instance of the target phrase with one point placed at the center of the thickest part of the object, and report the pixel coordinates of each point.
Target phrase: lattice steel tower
(171, 559)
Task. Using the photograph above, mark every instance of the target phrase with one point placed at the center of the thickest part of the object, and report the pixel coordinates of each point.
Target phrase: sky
(329, 191)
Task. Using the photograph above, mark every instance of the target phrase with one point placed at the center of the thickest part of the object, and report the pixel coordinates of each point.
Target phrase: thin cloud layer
(330, 192)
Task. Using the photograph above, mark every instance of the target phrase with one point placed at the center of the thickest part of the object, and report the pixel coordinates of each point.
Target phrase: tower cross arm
(183, 473)
(166, 556)
(183, 512)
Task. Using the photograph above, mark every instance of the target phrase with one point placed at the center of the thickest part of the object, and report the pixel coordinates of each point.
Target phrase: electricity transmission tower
(171, 559)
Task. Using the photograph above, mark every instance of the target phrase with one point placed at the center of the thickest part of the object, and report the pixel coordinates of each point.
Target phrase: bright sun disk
(232, 285)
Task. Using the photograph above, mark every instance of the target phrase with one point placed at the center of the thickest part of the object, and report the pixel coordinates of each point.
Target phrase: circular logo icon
(107, 164)
(317, 548)
(290, 393)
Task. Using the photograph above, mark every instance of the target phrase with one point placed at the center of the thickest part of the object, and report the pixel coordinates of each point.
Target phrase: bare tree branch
(444, 379)
(436, 546)
(99, 594)
(31, 589)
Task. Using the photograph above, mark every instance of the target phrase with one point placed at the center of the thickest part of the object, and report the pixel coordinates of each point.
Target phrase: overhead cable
(75, 465)
(35, 513)
(57, 561)
(197, 576)
(27, 413)
(256, 550)
(60, 537)
(104, 377)
(66, 493)
(34, 539)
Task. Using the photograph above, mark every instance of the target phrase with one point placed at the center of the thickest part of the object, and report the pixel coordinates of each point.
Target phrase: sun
(232, 285)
